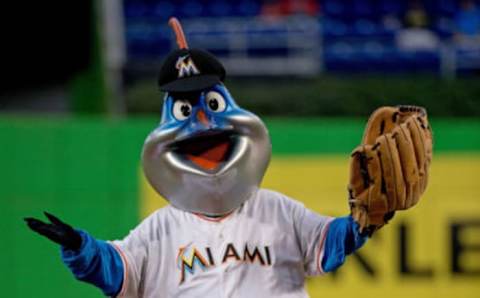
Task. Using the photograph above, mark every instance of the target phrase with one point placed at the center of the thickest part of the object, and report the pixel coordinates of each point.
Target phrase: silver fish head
(208, 155)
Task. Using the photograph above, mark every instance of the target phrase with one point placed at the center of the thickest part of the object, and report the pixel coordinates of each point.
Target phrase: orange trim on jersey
(321, 248)
(125, 269)
(213, 219)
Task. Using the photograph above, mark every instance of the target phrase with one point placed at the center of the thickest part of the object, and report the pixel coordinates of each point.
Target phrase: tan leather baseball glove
(389, 170)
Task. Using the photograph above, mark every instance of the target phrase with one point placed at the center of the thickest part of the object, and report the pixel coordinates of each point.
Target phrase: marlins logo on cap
(186, 67)
(188, 70)
(180, 74)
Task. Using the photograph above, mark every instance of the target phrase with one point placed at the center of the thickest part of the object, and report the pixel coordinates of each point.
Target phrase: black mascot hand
(57, 231)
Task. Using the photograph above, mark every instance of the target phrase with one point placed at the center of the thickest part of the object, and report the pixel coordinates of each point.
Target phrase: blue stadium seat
(192, 8)
(393, 7)
(135, 9)
(334, 8)
(162, 9)
(445, 27)
(247, 8)
(220, 9)
(365, 27)
(364, 8)
(334, 28)
(376, 56)
(447, 7)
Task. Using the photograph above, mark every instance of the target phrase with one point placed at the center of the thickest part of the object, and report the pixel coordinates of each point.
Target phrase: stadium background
(76, 107)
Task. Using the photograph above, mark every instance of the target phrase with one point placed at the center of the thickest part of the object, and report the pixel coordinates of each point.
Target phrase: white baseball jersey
(265, 248)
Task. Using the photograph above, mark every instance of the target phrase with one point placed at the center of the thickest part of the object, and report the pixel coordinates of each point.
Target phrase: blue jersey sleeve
(343, 238)
(96, 262)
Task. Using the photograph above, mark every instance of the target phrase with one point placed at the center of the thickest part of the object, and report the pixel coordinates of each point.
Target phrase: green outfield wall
(86, 171)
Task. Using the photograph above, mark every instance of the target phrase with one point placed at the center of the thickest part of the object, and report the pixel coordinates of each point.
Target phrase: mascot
(222, 235)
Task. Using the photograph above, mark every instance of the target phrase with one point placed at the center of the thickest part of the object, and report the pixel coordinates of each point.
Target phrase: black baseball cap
(187, 70)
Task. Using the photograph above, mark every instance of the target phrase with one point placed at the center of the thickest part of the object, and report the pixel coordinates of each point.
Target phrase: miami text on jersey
(189, 258)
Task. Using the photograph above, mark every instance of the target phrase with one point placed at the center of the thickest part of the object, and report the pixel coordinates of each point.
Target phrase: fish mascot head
(207, 155)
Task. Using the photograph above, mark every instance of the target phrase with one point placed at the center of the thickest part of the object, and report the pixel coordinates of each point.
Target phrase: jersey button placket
(224, 271)
(220, 234)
